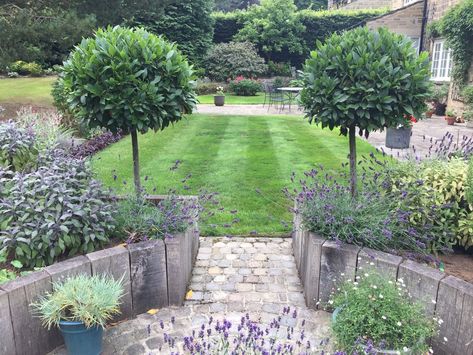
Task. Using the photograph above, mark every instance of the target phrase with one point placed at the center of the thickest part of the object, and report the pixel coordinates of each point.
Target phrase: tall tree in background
(311, 4)
(275, 28)
(188, 23)
(231, 5)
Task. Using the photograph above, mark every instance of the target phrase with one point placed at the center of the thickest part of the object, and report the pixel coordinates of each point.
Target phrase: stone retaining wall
(321, 262)
(155, 274)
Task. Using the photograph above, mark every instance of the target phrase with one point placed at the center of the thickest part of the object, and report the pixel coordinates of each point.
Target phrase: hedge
(319, 25)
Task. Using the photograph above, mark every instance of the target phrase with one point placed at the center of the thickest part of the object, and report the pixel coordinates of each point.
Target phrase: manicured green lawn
(27, 90)
(234, 156)
(38, 91)
(234, 100)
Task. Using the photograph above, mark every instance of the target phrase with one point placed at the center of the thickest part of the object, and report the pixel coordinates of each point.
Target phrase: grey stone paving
(232, 277)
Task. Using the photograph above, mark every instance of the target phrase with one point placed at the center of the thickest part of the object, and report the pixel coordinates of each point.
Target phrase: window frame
(444, 55)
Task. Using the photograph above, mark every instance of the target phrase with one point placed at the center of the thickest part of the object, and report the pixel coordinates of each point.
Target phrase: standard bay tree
(367, 80)
(130, 80)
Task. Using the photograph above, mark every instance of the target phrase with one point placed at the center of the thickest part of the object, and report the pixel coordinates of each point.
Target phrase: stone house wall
(406, 21)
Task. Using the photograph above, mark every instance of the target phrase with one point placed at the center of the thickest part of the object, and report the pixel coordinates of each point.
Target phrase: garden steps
(232, 277)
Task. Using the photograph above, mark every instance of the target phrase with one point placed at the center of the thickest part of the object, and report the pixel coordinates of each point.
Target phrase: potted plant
(219, 97)
(468, 117)
(430, 111)
(400, 137)
(439, 99)
(80, 307)
(451, 117)
(378, 314)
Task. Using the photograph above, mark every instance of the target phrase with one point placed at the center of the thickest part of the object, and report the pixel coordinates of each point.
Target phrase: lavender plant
(246, 337)
(372, 219)
(138, 219)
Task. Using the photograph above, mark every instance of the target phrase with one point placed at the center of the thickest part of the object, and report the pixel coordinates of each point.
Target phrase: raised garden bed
(155, 274)
(320, 263)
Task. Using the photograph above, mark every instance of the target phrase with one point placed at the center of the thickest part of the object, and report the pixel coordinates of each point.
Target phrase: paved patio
(232, 277)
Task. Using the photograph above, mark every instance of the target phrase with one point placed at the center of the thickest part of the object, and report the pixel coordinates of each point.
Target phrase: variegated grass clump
(93, 300)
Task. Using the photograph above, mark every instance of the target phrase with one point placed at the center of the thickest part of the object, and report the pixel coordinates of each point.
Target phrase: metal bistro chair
(272, 96)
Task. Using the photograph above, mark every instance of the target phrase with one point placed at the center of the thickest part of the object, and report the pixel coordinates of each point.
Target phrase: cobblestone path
(232, 277)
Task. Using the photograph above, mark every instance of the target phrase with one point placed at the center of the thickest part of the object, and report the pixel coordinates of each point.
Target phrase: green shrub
(18, 149)
(435, 193)
(187, 23)
(467, 94)
(24, 68)
(229, 60)
(380, 313)
(318, 26)
(208, 88)
(44, 36)
(56, 210)
(6, 275)
(92, 300)
(245, 87)
(279, 69)
(469, 185)
(129, 80)
(274, 28)
(365, 80)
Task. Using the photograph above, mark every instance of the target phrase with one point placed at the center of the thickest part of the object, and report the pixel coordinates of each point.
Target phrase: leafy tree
(188, 23)
(229, 60)
(312, 4)
(45, 36)
(230, 5)
(274, 27)
(367, 80)
(130, 80)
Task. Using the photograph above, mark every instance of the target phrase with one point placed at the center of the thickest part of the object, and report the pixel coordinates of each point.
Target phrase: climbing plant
(457, 27)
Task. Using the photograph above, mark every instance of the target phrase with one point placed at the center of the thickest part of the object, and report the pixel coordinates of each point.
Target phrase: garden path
(232, 277)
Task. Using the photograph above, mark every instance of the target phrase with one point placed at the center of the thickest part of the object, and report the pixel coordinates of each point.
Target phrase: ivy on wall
(457, 27)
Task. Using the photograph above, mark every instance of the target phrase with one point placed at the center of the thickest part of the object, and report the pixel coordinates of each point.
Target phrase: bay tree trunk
(136, 162)
(353, 177)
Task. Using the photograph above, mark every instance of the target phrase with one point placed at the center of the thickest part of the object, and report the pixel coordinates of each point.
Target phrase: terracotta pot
(450, 120)
(429, 114)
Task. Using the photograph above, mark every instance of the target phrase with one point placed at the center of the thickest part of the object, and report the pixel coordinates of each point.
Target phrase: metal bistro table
(291, 93)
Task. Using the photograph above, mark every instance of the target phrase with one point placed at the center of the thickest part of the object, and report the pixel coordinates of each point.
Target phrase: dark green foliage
(129, 80)
(231, 5)
(311, 4)
(318, 26)
(469, 183)
(227, 25)
(18, 151)
(55, 210)
(229, 60)
(245, 87)
(188, 23)
(279, 69)
(274, 28)
(457, 27)
(368, 79)
(124, 79)
(44, 37)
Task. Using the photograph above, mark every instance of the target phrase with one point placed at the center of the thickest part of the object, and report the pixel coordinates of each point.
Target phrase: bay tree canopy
(365, 80)
(128, 79)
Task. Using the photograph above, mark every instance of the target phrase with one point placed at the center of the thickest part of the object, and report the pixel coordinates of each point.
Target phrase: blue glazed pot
(81, 340)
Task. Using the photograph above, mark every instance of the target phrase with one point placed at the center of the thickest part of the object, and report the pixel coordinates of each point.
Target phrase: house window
(441, 61)
(415, 43)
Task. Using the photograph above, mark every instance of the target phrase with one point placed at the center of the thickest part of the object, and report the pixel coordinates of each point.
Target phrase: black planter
(219, 100)
(440, 109)
(398, 138)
